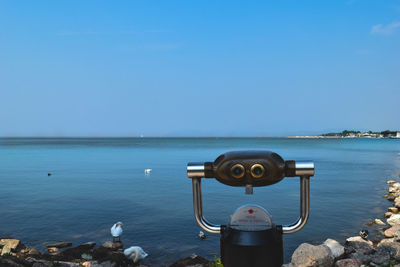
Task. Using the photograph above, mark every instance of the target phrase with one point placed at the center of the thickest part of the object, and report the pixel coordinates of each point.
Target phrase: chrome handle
(198, 209)
(304, 207)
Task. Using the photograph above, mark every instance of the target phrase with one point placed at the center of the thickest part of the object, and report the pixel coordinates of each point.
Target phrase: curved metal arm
(304, 169)
(198, 209)
(304, 207)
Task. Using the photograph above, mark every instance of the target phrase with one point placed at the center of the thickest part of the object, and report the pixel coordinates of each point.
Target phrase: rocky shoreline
(110, 254)
(356, 251)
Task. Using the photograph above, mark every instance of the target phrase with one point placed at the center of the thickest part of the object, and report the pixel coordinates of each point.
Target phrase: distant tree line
(357, 133)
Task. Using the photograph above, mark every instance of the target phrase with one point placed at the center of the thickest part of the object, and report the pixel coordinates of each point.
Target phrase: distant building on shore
(357, 134)
(384, 134)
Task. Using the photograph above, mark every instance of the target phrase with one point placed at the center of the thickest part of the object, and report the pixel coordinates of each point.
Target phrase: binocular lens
(257, 170)
(237, 171)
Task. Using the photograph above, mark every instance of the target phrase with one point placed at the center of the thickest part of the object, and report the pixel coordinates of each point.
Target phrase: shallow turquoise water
(97, 182)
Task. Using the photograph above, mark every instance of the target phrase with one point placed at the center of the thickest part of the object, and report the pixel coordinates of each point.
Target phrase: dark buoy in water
(48, 174)
(364, 234)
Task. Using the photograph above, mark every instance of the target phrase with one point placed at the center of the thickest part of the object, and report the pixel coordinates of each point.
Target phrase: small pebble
(390, 182)
(392, 231)
(86, 256)
(53, 250)
(388, 214)
(379, 222)
(393, 209)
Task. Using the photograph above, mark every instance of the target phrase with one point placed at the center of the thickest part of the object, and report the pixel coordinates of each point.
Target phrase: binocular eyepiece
(238, 171)
(256, 168)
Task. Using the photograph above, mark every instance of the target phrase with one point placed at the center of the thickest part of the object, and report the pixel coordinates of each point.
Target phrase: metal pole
(304, 207)
(198, 209)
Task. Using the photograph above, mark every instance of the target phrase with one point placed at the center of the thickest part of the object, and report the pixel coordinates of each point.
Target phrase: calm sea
(97, 182)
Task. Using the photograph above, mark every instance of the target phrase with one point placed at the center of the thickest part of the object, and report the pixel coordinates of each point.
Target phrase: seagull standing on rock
(116, 231)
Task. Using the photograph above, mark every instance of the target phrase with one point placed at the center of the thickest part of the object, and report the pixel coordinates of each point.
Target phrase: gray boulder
(44, 263)
(361, 257)
(388, 214)
(396, 186)
(307, 255)
(335, 247)
(193, 260)
(52, 250)
(397, 202)
(60, 245)
(357, 243)
(392, 190)
(391, 245)
(32, 251)
(392, 231)
(382, 256)
(394, 219)
(8, 245)
(96, 264)
(393, 209)
(348, 263)
(112, 245)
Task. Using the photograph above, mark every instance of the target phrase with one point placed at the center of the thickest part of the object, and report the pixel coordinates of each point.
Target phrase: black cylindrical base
(252, 248)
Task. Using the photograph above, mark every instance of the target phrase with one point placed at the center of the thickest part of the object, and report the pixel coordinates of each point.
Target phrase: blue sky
(198, 68)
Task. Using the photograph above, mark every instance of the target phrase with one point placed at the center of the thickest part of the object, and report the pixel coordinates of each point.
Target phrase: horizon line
(152, 136)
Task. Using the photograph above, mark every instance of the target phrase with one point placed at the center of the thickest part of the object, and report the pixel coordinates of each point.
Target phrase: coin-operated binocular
(251, 239)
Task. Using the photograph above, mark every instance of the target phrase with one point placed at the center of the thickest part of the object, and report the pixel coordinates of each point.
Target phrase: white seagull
(116, 231)
(135, 253)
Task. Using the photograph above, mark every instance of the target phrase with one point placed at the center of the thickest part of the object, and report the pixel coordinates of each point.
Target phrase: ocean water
(97, 182)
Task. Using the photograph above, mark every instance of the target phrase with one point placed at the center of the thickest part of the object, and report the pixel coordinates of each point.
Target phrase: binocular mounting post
(251, 238)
